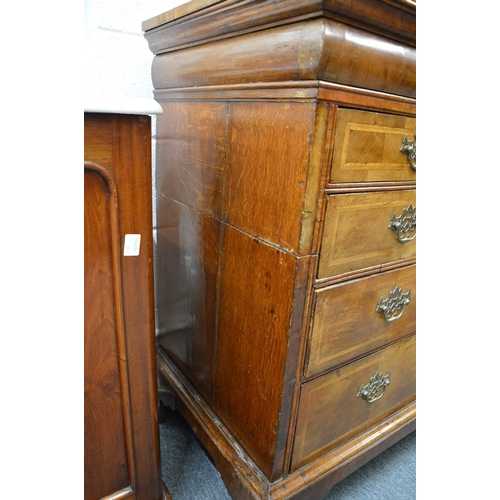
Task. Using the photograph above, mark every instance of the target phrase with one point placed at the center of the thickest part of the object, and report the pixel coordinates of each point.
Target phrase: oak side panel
(330, 412)
(105, 452)
(187, 264)
(356, 231)
(266, 173)
(190, 142)
(255, 307)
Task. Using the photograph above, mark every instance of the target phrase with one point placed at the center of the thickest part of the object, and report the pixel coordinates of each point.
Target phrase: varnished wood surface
(364, 99)
(106, 433)
(345, 323)
(247, 155)
(187, 270)
(242, 478)
(259, 167)
(119, 313)
(319, 49)
(191, 147)
(256, 292)
(201, 23)
(315, 480)
(356, 233)
(208, 167)
(303, 91)
(178, 12)
(330, 413)
(367, 147)
(245, 481)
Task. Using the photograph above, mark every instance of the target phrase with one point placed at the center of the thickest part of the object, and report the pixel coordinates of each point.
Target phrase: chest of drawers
(286, 233)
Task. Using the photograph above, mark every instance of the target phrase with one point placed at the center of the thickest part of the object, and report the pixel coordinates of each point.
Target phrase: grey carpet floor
(190, 475)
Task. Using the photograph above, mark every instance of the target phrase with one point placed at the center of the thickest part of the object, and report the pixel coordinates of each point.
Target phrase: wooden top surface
(192, 6)
(177, 12)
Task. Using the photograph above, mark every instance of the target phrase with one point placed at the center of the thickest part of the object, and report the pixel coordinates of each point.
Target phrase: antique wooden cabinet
(286, 251)
(122, 458)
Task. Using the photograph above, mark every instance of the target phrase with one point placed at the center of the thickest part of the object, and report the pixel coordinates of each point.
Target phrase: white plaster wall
(117, 57)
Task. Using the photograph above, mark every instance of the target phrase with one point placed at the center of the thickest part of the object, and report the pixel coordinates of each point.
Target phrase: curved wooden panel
(200, 21)
(319, 49)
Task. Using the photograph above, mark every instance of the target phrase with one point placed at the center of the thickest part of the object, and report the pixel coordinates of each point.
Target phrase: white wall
(117, 57)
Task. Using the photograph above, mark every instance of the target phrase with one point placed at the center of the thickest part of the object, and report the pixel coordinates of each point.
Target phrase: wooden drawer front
(346, 323)
(332, 410)
(367, 147)
(356, 231)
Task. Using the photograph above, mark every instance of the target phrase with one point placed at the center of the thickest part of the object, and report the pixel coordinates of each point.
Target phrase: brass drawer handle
(375, 388)
(409, 148)
(405, 225)
(394, 306)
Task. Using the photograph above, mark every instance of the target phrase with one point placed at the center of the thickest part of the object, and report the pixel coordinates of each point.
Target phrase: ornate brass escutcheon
(375, 388)
(409, 148)
(394, 306)
(405, 225)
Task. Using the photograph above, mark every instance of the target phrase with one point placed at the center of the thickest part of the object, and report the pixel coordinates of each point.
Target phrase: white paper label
(132, 245)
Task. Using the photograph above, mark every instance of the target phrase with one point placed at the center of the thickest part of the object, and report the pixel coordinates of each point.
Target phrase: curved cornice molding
(201, 21)
(319, 49)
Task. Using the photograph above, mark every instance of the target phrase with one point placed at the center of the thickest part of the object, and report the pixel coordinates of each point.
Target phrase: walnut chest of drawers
(286, 224)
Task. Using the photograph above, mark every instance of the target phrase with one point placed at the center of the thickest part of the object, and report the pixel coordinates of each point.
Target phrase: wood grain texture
(200, 24)
(356, 233)
(295, 91)
(367, 147)
(345, 324)
(259, 166)
(248, 152)
(256, 57)
(187, 267)
(178, 12)
(191, 147)
(119, 148)
(318, 49)
(106, 436)
(255, 307)
(313, 481)
(363, 99)
(241, 476)
(360, 59)
(330, 413)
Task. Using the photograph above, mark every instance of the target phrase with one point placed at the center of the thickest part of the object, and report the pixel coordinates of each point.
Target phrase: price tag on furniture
(132, 245)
